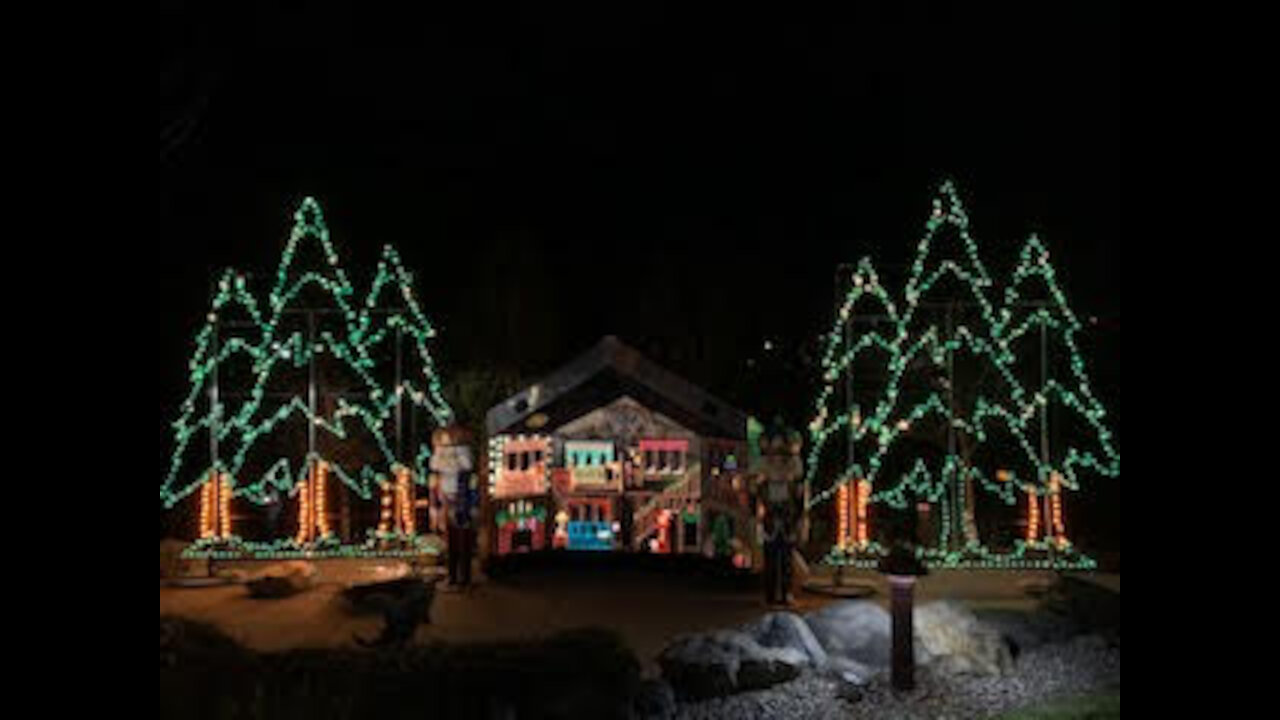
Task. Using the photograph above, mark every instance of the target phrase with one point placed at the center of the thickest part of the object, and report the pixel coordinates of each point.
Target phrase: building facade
(612, 452)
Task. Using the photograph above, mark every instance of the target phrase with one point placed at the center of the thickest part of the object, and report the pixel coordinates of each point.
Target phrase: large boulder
(787, 630)
(950, 638)
(856, 630)
(723, 662)
(282, 579)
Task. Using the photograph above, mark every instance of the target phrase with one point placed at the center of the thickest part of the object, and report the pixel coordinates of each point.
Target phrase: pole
(399, 398)
(903, 669)
(957, 519)
(838, 579)
(1044, 437)
(847, 330)
(213, 402)
(311, 424)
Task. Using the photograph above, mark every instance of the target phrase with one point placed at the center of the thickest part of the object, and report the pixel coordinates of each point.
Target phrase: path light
(903, 567)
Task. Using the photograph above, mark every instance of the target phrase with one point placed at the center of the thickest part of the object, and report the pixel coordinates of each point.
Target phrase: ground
(647, 609)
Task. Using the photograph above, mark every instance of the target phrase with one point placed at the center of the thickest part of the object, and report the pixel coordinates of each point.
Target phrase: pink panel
(672, 444)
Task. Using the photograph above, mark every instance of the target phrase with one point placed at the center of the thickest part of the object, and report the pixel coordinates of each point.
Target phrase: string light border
(996, 343)
(365, 327)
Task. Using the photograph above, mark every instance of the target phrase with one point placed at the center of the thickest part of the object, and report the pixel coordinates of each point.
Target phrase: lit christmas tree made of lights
(304, 397)
(943, 391)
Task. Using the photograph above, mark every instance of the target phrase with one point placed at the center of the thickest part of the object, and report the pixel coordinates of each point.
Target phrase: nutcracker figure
(454, 477)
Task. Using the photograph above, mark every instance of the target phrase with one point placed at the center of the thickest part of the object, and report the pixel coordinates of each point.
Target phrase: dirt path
(647, 610)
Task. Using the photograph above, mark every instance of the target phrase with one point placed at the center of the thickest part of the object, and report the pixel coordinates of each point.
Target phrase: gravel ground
(1049, 672)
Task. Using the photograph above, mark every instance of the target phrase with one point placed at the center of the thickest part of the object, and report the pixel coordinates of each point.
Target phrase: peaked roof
(607, 371)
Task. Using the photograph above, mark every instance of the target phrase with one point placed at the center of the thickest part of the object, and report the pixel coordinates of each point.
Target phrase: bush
(572, 674)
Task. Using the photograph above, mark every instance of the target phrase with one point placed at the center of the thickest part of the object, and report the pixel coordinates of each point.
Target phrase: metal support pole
(957, 519)
(1044, 438)
(214, 411)
(312, 475)
(399, 398)
(846, 331)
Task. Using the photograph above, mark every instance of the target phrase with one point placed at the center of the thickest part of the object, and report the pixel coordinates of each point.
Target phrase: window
(524, 460)
(511, 461)
(649, 465)
(537, 456)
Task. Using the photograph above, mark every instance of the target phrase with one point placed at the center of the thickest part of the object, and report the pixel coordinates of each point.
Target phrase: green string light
(365, 327)
(996, 343)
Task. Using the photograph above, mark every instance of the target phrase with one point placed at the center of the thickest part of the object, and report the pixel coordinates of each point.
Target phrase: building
(613, 452)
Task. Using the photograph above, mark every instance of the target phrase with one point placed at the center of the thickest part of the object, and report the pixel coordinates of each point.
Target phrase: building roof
(609, 370)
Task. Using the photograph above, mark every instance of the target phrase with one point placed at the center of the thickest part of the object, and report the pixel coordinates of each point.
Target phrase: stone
(282, 579)
(848, 691)
(654, 700)
(723, 662)
(849, 671)
(857, 630)
(951, 639)
(787, 630)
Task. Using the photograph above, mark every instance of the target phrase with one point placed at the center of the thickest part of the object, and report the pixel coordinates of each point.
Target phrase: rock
(848, 691)
(654, 700)
(857, 630)
(282, 579)
(850, 671)
(382, 595)
(787, 630)
(724, 662)
(950, 637)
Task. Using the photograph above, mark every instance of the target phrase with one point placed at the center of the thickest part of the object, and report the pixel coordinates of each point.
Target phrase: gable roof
(607, 371)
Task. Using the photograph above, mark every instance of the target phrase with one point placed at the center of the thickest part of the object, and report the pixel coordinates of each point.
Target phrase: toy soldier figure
(779, 471)
(452, 463)
(462, 530)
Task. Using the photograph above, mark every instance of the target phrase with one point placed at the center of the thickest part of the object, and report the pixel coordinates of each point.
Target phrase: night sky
(689, 191)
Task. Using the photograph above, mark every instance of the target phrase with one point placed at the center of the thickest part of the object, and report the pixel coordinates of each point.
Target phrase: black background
(687, 187)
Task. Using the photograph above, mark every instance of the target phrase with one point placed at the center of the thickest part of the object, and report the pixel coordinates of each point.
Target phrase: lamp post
(903, 567)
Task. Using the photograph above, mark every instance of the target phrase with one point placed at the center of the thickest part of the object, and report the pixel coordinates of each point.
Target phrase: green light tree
(946, 409)
(269, 436)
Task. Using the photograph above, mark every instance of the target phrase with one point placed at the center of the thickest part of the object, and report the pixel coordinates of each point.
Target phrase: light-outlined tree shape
(915, 401)
(1057, 379)
(361, 414)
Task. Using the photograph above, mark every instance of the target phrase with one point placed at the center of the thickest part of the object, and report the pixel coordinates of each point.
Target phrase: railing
(645, 519)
